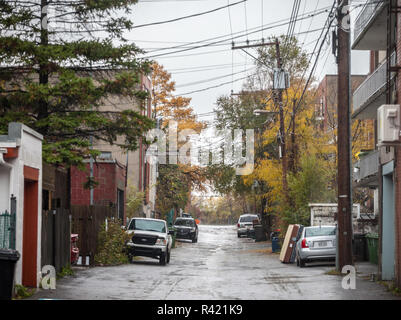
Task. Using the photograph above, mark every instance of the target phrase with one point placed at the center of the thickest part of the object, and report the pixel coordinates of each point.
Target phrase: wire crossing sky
(197, 50)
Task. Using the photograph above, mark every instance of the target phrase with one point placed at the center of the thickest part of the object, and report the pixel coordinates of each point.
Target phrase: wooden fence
(87, 222)
(56, 239)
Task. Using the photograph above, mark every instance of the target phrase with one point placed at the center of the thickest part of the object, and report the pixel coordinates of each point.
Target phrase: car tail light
(304, 244)
(238, 225)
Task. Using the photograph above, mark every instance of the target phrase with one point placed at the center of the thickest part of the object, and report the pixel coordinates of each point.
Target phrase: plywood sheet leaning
(286, 242)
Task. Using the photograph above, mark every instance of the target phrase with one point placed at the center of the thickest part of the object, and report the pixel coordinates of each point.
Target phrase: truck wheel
(194, 239)
(130, 258)
(168, 256)
(163, 259)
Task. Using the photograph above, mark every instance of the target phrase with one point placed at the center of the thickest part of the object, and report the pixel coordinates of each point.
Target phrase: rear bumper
(310, 255)
(190, 235)
(246, 231)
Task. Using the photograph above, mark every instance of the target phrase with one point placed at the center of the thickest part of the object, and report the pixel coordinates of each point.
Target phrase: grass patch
(22, 292)
(65, 271)
(334, 272)
(391, 287)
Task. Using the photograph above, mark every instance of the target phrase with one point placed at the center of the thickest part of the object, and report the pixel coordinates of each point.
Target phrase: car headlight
(161, 241)
(193, 229)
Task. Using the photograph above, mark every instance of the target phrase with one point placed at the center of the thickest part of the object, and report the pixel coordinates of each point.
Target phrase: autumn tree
(302, 142)
(59, 65)
(169, 106)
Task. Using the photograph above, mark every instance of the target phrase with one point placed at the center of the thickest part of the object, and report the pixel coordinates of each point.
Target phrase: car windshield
(320, 231)
(148, 225)
(185, 222)
(248, 218)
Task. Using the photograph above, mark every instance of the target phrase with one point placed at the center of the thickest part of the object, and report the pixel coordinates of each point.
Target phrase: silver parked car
(245, 224)
(316, 243)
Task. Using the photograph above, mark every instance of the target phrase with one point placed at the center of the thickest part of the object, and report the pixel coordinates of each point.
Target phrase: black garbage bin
(8, 260)
(359, 247)
(260, 234)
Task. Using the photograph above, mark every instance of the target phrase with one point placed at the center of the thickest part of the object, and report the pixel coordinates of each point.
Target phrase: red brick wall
(108, 175)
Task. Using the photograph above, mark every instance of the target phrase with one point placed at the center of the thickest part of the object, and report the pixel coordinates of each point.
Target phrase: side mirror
(171, 232)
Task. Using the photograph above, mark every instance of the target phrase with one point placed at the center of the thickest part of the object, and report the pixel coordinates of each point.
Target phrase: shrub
(111, 245)
(22, 292)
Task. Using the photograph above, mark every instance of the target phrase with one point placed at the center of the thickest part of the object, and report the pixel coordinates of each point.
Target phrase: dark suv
(186, 229)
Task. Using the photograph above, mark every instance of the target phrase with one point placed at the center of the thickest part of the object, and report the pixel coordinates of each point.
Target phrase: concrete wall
(326, 212)
(29, 145)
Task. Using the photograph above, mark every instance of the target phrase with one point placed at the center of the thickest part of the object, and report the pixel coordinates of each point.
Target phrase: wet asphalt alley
(219, 267)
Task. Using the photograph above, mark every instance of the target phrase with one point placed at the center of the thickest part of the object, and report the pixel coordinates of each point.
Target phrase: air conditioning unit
(388, 125)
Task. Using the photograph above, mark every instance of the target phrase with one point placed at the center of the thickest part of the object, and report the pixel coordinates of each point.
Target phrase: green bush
(22, 292)
(65, 271)
(111, 245)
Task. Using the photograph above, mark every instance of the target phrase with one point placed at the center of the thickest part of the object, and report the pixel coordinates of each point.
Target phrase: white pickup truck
(150, 238)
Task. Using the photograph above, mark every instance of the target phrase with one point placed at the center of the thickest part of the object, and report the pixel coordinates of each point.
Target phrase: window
(320, 231)
(185, 222)
(249, 218)
(148, 225)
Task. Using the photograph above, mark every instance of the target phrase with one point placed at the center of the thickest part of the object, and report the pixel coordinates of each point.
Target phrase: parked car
(151, 238)
(186, 215)
(246, 224)
(186, 228)
(316, 243)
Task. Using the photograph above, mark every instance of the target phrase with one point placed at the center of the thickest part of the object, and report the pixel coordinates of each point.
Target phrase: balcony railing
(373, 85)
(367, 166)
(366, 15)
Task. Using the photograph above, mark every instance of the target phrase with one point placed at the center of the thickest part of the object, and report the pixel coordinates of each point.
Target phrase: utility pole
(283, 153)
(282, 146)
(282, 130)
(293, 159)
(344, 213)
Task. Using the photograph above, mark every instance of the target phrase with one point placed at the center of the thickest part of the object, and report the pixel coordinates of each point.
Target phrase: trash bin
(275, 244)
(359, 247)
(260, 235)
(373, 241)
(8, 260)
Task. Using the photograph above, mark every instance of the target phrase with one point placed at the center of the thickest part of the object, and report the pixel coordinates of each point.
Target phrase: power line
(316, 59)
(266, 27)
(186, 17)
(212, 87)
(212, 79)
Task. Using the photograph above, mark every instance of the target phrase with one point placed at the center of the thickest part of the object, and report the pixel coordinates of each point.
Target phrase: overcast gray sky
(191, 69)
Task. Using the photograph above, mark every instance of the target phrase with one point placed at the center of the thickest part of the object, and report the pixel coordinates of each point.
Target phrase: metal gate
(7, 227)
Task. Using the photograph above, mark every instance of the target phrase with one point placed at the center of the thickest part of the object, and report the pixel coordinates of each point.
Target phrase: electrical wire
(186, 17)
(239, 34)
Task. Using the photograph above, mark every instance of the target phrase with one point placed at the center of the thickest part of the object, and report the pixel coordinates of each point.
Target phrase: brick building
(140, 173)
(110, 191)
